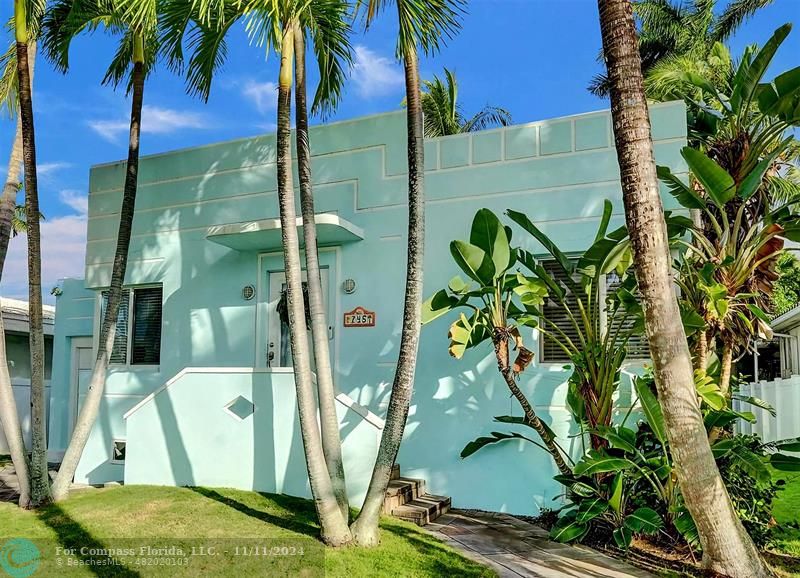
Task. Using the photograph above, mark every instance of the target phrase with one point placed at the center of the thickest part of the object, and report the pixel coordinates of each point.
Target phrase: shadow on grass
(73, 536)
(439, 559)
(302, 511)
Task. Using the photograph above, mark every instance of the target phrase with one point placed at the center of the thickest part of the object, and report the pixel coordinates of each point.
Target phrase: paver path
(516, 548)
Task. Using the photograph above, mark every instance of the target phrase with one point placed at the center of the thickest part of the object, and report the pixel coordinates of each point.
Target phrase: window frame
(129, 344)
(543, 361)
(114, 443)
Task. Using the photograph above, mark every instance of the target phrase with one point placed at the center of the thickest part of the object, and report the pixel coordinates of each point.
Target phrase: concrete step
(423, 510)
(401, 491)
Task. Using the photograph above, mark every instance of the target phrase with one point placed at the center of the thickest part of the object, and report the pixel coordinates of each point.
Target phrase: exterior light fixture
(248, 292)
(349, 286)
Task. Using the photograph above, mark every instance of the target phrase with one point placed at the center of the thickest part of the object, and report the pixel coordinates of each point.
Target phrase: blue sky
(532, 57)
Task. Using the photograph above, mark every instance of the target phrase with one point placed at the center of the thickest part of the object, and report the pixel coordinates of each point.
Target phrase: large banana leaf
(718, 184)
(651, 409)
(489, 234)
(750, 73)
(474, 261)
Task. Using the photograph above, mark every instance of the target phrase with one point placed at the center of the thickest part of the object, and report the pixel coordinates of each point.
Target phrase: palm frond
(490, 116)
(8, 80)
(734, 15)
(423, 23)
(329, 26)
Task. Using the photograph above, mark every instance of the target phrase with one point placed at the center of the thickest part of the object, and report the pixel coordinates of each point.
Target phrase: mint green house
(201, 389)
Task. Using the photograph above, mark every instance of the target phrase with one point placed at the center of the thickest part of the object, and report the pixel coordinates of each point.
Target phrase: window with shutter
(119, 353)
(637, 343)
(137, 340)
(554, 312)
(146, 327)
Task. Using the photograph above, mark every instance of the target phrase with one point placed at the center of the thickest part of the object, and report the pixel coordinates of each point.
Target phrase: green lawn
(785, 554)
(233, 533)
(787, 513)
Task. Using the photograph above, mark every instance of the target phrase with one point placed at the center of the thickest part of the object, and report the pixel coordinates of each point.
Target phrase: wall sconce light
(248, 292)
(349, 286)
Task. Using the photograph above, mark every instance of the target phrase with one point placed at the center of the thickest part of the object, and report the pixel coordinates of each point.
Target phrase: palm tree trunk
(326, 391)
(725, 366)
(365, 528)
(40, 480)
(500, 340)
(334, 527)
(701, 351)
(727, 549)
(91, 405)
(9, 419)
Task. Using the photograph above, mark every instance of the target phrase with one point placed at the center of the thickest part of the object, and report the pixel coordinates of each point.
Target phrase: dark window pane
(119, 353)
(146, 349)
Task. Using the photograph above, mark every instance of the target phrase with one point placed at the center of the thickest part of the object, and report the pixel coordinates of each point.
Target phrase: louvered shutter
(119, 353)
(637, 343)
(552, 311)
(146, 327)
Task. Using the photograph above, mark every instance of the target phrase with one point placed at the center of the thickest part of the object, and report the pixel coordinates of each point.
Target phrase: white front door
(279, 351)
(82, 366)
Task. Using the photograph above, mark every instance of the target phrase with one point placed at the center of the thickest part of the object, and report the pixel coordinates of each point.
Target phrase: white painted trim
(188, 370)
(342, 398)
(112, 460)
(275, 225)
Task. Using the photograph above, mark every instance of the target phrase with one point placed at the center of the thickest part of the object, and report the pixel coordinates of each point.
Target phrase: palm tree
(673, 29)
(134, 59)
(330, 33)
(727, 549)
(279, 25)
(443, 115)
(422, 24)
(26, 17)
(12, 221)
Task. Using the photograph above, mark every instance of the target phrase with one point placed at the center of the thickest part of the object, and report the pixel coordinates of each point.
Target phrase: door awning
(265, 235)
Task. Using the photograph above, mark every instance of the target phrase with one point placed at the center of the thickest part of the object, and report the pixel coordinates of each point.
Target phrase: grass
(215, 522)
(786, 511)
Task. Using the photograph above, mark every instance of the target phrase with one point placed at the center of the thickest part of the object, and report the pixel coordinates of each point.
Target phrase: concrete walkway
(516, 548)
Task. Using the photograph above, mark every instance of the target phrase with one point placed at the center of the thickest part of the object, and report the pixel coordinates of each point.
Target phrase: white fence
(784, 396)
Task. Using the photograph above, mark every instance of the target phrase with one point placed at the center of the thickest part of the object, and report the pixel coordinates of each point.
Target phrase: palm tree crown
(674, 28)
(443, 114)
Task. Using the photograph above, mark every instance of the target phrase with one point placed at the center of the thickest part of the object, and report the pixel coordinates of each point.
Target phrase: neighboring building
(15, 322)
(201, 390)
(778, 357)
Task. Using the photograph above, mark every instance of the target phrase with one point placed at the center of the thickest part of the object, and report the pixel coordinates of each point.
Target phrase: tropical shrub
(605, 489)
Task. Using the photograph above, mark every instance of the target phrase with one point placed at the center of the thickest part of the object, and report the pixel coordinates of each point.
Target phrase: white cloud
(375, 75)
(48, 169)
(63, 250)
(76, 200)
(263, 95)
(155, 120)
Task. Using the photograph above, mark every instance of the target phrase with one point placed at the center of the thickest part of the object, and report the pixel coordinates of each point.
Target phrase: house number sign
(359, 317)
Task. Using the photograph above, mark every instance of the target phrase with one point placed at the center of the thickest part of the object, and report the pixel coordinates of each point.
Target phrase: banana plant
(500, 303)
(740, 118)
(728, 268)
(602, 324)
(604, 480)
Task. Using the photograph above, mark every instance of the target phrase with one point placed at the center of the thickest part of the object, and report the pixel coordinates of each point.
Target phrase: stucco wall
(558, 171)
